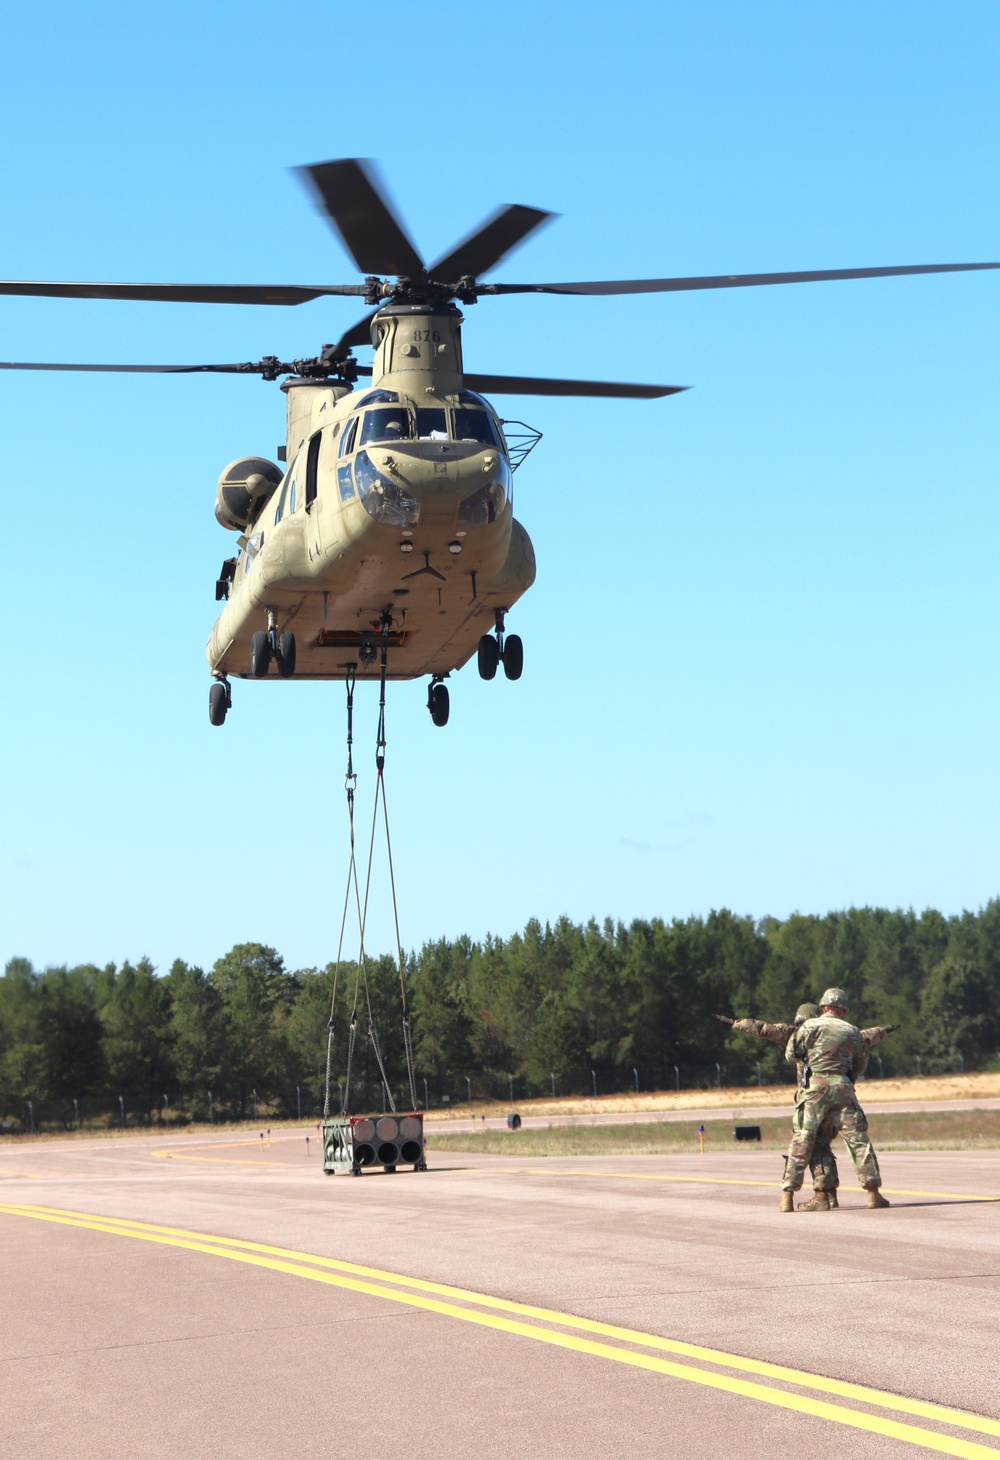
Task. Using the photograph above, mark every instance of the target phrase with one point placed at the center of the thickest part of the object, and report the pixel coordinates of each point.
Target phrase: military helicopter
(386, 543)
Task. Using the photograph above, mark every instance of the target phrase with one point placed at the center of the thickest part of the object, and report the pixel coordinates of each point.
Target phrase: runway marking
(350, 1276)
(733, 1181)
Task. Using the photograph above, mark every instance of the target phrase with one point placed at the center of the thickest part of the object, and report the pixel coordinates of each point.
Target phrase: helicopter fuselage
(395, 508)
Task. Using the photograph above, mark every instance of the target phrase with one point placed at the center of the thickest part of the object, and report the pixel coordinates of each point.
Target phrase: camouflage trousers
(829, 1102)
(822, 1162)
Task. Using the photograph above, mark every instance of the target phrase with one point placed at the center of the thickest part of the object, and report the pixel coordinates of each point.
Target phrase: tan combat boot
(834, 1203)
(787, 1202)
(875, 1197)
(820, 1203)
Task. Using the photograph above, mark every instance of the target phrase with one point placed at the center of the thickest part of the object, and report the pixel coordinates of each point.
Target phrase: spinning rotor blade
(491, 242)
(530, 385)
(243, 369)
(726, 281)
(183, 293)
(358, 334)
(358, 209)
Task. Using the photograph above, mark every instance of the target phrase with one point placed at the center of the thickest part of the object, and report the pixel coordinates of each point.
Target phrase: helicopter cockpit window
(474, 425)
(382, 498)
(279, 511)
(384, 426)
(347, 440)
(378, 398)
(432, 424)
(486, 505)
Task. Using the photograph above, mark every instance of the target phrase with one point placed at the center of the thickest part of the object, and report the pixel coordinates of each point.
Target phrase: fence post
(881, 1072)
(31, 1118)
(166, 1102)
(427, 1103)
(254, 1094)
(76, 1113)
(298, 1104)
(718, 1076)
(510, 1085)
(211, 1110)
(636, 1074)
(468, 1083)
(593, 1076)
(961, 1065)
(677, 1079)
(121, 1102)
(553, 1079)
(758, 1072)
(919, 1067)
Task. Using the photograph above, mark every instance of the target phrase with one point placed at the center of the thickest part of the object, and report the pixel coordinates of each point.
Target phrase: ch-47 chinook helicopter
(389, 535)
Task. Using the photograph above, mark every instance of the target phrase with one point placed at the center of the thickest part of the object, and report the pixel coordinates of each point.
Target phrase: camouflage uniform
(823, 1162)
(836, 1054)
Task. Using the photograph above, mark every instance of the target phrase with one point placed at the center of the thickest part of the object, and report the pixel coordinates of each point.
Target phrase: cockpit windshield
(377, 398)
(432, 424)
(390, 424)
(474, 425)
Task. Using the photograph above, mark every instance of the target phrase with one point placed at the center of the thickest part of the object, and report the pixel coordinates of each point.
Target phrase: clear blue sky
(762, 651)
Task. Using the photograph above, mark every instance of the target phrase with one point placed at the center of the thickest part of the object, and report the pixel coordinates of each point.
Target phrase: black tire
(439, 704)
(260, 655)
(286, 654)
(513, 656)
(489, 656)
(218, 703)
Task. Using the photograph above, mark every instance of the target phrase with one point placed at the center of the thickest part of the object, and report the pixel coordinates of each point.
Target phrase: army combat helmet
(806, 1011)
(834, 999)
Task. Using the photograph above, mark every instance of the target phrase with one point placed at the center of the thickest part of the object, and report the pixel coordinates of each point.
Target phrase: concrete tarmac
(197, 1296)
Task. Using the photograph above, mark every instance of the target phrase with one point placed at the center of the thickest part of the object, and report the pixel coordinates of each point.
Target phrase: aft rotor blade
(182, 293)
(531, 385)
(727, 281)
(491, 242)
(357, 206)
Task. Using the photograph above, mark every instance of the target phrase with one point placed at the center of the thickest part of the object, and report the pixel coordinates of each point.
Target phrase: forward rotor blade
(247, 368)
(531, 385)
(183, 293)
(357, 206)
(358, 334)
(727, 281)
(489, 243)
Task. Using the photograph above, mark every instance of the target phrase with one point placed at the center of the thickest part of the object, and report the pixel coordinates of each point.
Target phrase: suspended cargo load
(352, 1143)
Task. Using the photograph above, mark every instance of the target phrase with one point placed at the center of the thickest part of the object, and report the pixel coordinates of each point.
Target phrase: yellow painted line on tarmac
(731, 1181)
(215, 1160)
(343, 1276)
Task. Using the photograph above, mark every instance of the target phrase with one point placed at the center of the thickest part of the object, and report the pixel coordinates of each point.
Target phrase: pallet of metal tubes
(354, 1143)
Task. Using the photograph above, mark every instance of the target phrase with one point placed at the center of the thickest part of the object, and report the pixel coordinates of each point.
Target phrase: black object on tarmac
(746, 1132)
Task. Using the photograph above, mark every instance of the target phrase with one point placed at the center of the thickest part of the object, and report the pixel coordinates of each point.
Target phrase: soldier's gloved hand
(724, 1019)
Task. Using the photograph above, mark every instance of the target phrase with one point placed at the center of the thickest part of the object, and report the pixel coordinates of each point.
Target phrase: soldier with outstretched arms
(834, 1054)
(823, 1161)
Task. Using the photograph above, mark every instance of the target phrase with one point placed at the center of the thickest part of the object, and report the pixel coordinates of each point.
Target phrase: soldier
(834, 1054)
(823, 1161)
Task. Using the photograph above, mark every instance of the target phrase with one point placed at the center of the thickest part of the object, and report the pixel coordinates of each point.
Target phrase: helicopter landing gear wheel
(260, 655)
(489, 656)
(285, 654)
(218, 702)
(513, 656)
(438, 703)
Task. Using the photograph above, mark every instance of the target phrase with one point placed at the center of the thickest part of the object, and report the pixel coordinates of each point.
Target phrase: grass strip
(936, 1130)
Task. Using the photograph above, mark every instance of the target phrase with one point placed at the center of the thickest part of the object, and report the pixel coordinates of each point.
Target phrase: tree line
(565, 1006)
